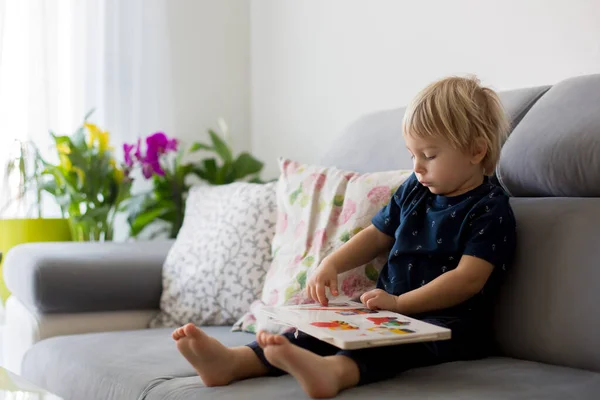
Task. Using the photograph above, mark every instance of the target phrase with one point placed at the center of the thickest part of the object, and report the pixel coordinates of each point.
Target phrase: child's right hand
(324, 276)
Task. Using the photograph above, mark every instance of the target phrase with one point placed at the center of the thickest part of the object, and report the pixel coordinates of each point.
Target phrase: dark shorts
(379, 363)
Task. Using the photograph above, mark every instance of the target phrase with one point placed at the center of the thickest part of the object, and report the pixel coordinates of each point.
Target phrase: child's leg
(379, 363)
(320, 376)
(217, 364)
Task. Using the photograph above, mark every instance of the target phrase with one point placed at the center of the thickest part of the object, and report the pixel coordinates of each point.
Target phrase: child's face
(443, 169)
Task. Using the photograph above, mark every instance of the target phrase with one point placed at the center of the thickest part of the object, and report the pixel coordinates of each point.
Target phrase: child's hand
(324, 276)
(378, 299)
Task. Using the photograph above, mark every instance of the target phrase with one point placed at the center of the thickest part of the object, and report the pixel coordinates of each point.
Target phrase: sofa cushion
(145, 365)
(548, 306)
(554, 149)
(489, 379)
(319, 210)
(217, 266)
(113, 365)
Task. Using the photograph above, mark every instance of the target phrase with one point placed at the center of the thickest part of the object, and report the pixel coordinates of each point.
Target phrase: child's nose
(418, 167)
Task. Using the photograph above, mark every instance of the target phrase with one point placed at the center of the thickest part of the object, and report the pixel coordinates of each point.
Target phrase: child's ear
(478, 151)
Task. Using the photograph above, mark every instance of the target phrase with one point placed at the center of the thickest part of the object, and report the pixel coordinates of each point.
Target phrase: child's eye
(430, 157)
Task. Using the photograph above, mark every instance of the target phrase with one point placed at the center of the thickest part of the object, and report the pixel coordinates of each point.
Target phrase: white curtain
(61, 58)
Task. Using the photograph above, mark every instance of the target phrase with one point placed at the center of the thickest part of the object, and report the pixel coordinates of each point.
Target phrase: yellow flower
(65, 162)
(63, 148)
(97, 135)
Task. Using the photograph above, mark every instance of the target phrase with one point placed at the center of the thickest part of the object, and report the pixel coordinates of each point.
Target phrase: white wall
(210, 68)
(318, 65)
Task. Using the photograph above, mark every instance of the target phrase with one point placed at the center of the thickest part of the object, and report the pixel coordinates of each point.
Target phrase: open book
(349, 325)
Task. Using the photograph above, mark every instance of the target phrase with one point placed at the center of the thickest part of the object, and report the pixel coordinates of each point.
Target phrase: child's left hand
(378, 299)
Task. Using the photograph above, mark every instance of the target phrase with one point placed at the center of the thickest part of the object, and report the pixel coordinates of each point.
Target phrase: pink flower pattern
(317, 241)
(300, 230)
(379, 195)
(341, 215)
(355, 285)
(282, 223)
(289, 167)
(299, 298)
(313, 183)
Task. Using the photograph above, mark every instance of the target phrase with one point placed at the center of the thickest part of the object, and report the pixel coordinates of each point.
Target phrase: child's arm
(447, 290)
(362, 248)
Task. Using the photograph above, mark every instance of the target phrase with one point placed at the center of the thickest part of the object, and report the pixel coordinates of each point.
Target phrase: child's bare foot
(320, 377)
(209, 357)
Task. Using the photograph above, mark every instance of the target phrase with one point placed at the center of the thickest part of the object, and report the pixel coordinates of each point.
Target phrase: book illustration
(335, 325)
(382, 330)
(356, 311)
(388, 321)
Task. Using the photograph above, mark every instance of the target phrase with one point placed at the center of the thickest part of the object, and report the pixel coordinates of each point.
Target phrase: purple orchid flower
(157, 144)
(127, 148)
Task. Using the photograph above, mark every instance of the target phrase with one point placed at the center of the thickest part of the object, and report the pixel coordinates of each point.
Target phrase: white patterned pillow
(319, 209)
(217, 266)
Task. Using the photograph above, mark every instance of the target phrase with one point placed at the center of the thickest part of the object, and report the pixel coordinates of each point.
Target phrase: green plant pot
(18, 231)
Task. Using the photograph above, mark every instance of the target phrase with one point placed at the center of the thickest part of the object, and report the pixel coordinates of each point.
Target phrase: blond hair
(461, 111)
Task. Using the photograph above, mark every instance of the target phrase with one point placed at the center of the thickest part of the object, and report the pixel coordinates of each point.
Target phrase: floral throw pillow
(217, 265)
(319, 209)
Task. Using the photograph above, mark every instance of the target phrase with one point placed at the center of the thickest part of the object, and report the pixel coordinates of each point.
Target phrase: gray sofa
(546, 327)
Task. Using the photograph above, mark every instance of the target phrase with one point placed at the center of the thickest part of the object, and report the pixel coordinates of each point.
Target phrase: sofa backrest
(379, 135)
(549, 164)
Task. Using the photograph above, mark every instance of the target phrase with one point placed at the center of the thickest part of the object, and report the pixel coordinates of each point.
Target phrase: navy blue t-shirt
(432, 233)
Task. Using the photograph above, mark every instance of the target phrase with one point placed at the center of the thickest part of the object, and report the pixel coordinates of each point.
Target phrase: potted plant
(161, 160)
(22, 190)
(87, 182)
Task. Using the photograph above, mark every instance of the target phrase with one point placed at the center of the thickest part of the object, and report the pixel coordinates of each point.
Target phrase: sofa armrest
(72, 277)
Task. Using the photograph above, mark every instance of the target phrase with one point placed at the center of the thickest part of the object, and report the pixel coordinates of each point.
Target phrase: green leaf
(220, 147)
(344, 237)
(308, 261)
(371, 272)
(145, 218)
(199, 146)
(210, 169)
(294, 196)
(301, 279)
(246, 165)
(89, 114)
(78, 140)
(225, 174)
(304, 200)
(289, 292)
(338, 200)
